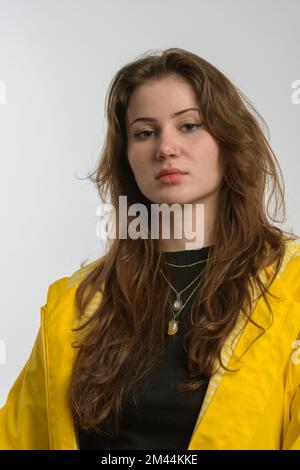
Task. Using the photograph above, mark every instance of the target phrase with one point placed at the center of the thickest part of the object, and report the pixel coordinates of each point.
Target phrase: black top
(165, 418)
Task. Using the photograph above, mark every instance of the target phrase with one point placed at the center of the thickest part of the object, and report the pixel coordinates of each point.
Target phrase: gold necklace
(178, 305)
(186, 265)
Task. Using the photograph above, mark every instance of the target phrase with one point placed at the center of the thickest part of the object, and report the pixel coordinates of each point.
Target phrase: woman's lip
(171, 177)
(171, 171)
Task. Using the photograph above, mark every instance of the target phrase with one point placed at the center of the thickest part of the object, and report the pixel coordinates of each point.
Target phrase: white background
(57, 58)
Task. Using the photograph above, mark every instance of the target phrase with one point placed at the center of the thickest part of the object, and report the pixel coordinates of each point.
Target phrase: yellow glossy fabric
(257, 407)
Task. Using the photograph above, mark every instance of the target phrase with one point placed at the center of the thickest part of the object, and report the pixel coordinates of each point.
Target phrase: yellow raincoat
(257, 407)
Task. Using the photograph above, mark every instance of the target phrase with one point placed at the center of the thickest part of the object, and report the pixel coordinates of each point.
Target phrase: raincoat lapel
(240, 397)
(60, 358)
(235, 400)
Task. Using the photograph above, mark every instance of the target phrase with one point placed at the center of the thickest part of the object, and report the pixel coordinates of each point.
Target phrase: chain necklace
(186, 265)
(177, 306)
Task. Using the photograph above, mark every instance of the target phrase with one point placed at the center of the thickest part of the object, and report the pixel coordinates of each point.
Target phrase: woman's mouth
(171, 178)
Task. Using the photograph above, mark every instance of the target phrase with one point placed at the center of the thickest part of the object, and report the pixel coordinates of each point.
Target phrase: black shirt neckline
(188, 256)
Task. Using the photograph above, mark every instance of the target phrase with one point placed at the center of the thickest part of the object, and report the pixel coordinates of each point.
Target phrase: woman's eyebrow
(149, 119)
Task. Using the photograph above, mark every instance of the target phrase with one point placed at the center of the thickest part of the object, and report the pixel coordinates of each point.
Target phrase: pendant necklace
(177, 305)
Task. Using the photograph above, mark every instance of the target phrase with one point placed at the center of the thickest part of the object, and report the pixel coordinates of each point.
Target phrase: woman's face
(168, 141)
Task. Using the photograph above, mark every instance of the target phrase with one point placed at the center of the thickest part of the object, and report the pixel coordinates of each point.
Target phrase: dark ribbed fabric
(165, 417)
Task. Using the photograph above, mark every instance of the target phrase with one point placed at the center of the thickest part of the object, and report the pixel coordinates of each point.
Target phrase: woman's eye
(142, 133)
(191, 124)
(147, 133)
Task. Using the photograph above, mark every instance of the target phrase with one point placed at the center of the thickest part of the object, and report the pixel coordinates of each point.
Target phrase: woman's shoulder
(292, 255)
(75, 278)
(61, 293)
(288, 276)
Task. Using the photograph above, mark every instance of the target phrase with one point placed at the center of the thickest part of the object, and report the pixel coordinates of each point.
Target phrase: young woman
(157, 344)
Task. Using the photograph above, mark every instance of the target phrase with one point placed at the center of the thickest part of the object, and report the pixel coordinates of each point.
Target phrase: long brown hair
(126, 333)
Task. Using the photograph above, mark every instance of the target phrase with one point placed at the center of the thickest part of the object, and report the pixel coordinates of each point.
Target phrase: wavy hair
(125, 335)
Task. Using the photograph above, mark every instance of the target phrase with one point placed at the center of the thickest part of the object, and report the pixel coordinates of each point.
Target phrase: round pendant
(177, 305)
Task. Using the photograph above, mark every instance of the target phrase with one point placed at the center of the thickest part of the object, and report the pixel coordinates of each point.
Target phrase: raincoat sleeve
(292, 435)
(23, 418)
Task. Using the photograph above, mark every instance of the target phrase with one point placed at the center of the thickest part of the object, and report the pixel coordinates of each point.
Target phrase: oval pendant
(177, 304)
(173, 327)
